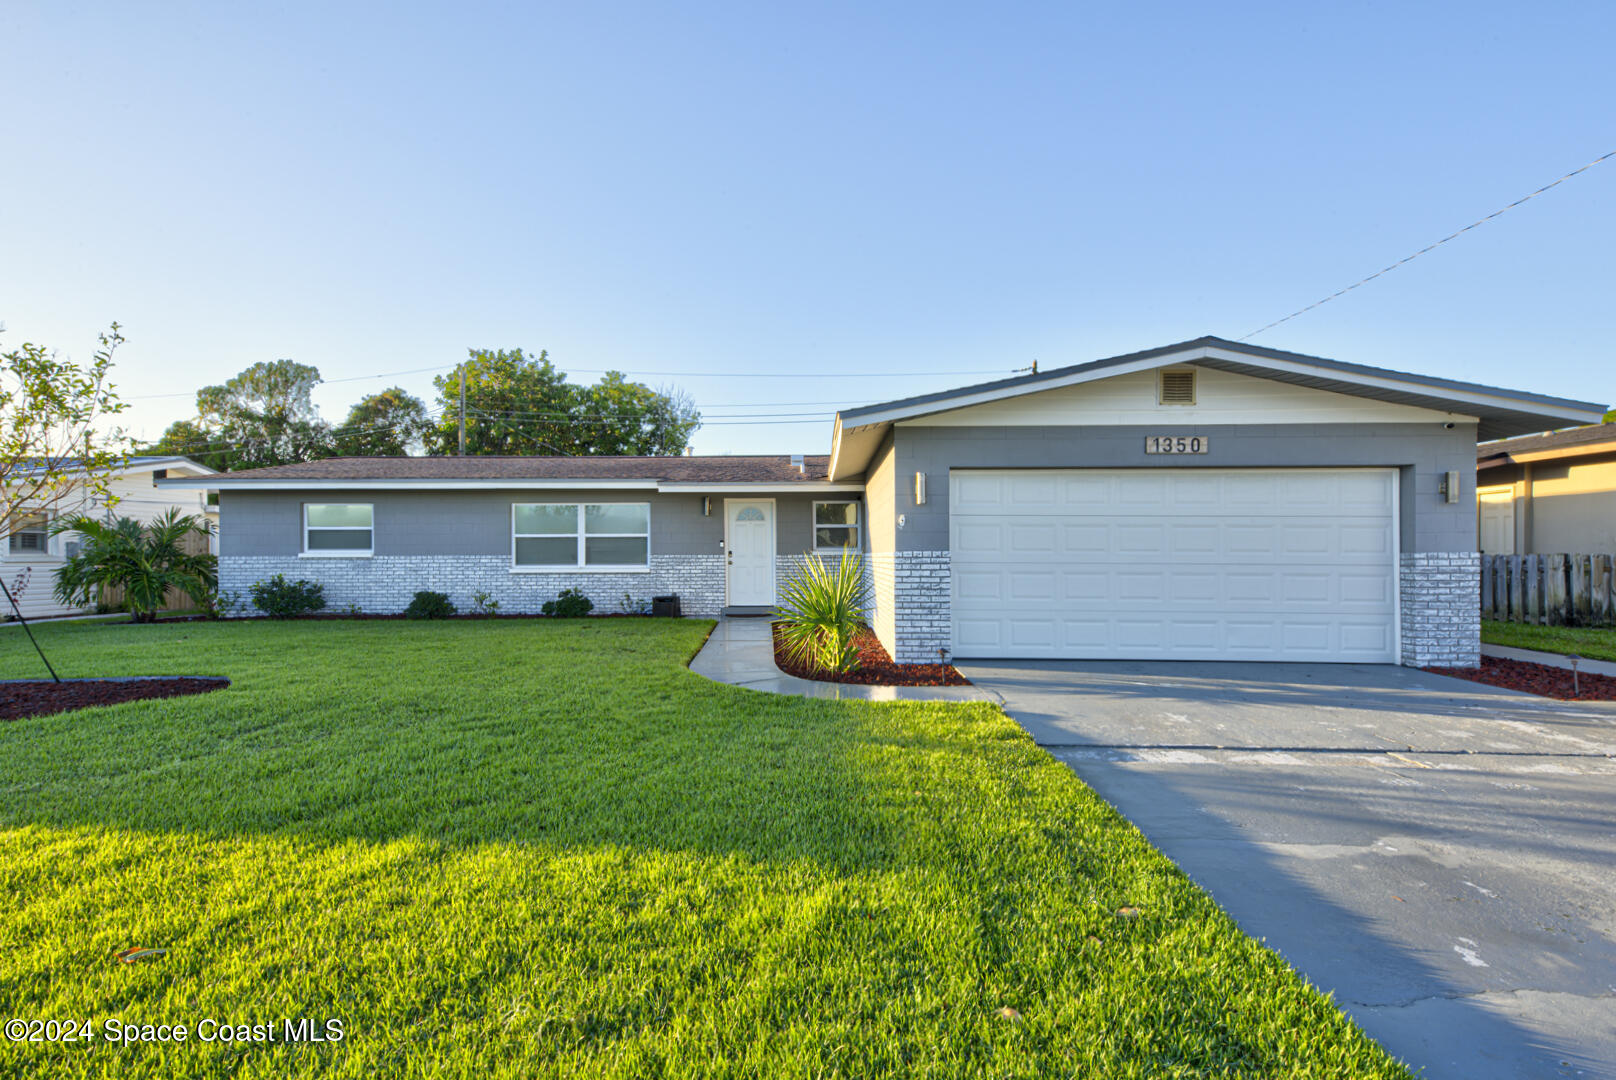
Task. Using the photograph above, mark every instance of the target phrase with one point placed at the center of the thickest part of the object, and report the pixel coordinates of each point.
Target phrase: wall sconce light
(1450, 486)
(706, 506)
(902, 521)
(920, 489)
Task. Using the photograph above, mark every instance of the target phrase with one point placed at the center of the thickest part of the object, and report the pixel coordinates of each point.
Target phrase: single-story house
(1209, 500)
(1539, 494)
(29, 553)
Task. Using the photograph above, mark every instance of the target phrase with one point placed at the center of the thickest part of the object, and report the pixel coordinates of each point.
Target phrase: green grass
(1595, 643)
(549, 849)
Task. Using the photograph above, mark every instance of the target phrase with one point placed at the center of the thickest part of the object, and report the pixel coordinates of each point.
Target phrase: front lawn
(1593, 642)
(548, 849)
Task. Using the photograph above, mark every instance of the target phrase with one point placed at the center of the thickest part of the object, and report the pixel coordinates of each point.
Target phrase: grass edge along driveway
(549, 849)
(1590, 642)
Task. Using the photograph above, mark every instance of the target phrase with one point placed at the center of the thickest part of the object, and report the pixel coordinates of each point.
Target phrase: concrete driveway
(1438, 855)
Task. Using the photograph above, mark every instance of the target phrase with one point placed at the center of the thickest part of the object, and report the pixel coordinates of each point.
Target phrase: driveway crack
(1468, 994)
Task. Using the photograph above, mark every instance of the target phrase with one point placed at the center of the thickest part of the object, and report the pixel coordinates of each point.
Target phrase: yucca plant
(821, 609)
(145, 561)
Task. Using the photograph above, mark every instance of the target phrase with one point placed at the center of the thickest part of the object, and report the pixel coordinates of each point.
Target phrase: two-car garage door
(1175, 564)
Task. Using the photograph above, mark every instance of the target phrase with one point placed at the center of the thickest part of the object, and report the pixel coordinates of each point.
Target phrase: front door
(750, 551)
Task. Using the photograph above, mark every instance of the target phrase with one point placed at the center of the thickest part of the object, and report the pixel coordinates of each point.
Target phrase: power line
(562, 419)
(341, 433)
(621, 371)
(608, 417)
(1431, 247)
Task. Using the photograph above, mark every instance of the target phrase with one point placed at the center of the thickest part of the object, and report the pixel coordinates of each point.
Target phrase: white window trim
(350, 554)
(814, 526)
(581, 536)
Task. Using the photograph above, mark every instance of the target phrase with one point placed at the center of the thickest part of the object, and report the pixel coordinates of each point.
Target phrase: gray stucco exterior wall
(411, 523)
(1421, 452)
(459, 543)
(879, 497)
(1438, 614)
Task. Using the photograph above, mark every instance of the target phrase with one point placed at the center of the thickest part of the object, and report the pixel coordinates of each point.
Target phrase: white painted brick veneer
(921, 606)
(385, 584)
(1441, 621)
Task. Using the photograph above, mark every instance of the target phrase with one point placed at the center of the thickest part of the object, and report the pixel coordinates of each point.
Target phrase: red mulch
(20, 699)
(875, 667)
(1541, 679)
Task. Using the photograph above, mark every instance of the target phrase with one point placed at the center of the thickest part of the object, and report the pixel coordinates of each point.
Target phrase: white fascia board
(224, 483)
(179, 460)
(835, 444)
(1207, 352)
(1382, 382)
(699, 488)
(965, 401)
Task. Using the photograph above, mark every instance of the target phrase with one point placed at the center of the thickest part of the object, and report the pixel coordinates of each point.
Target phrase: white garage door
(1175, 564)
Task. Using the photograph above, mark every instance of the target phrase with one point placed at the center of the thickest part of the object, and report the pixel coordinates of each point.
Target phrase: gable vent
(1176, 388)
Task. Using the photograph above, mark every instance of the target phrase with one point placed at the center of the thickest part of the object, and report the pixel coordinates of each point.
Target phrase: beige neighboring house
(30, 554)
(1542, 494)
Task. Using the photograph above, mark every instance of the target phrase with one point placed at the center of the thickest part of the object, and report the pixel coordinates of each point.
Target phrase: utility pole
(462, 410)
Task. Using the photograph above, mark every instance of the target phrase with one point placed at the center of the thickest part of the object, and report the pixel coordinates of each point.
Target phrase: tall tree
(390, 423)
(622, 417)
(50, 409)
(517, 404)
(263, 416)
(189, 438)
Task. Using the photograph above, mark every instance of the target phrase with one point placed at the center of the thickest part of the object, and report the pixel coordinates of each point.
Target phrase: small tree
(145, 561)
(50, 408)
(822, 608)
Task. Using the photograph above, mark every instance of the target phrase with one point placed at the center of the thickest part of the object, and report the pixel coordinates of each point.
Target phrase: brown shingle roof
(690, 469)
(1554, 440)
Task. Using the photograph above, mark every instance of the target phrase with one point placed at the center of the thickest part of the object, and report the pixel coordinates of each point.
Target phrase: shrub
(484, 603)
(224, 605)
(429, 605)
(821, 610)
(143, 561)
(569, 604)
(282, 599)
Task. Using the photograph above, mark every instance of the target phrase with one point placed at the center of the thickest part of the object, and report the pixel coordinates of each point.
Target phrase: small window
(570, 535)
(1175, 387)
(338, 529)
(31, 536)
(836, 526)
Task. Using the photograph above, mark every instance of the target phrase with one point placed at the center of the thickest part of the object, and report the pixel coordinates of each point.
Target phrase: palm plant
(145, 561)
(822, 608)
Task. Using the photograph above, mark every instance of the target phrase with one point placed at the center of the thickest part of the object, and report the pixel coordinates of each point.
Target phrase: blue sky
(811, 191)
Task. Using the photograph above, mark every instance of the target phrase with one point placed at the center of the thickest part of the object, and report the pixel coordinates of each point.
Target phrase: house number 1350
(1176, 444)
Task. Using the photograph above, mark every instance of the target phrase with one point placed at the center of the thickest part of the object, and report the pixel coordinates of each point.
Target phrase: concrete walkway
(1553, 659)
(741, 652)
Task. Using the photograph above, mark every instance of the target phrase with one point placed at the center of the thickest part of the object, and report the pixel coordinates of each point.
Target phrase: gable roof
(1499, 412)
(138, 463)
(646, 473)
(1572, 442)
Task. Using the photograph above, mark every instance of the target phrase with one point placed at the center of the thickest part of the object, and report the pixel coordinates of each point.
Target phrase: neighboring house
(1204, 501)
(28, 551)
(1549, 493)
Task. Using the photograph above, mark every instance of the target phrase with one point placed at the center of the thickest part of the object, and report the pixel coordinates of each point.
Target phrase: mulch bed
(875, 667)
(1542, 679)
(335, 616)
(38, 698)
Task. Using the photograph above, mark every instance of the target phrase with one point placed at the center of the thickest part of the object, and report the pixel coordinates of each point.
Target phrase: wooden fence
(173, 599)
(1552, 590)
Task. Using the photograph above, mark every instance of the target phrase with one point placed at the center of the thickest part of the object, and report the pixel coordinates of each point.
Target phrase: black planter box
(665, 606)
